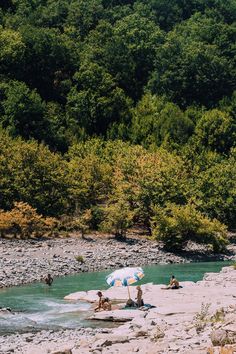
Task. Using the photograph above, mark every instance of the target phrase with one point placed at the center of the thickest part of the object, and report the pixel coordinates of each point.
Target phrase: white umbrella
(125, 277)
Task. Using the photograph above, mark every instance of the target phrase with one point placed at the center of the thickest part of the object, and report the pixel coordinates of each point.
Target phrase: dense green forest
(116, 114)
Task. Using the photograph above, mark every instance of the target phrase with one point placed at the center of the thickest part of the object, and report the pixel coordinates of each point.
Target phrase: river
(39, 307)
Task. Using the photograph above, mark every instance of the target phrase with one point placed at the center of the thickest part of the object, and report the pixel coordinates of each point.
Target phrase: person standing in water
(48, 280)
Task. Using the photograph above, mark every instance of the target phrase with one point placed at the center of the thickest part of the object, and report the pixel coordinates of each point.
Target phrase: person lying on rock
(100, 301)
(48, 280)
(139, 298)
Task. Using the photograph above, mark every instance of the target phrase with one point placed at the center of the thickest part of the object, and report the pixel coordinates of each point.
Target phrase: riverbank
(27, 261)
(197, 319)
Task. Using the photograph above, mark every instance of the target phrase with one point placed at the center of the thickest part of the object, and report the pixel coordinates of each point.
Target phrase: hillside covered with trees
(116, 114)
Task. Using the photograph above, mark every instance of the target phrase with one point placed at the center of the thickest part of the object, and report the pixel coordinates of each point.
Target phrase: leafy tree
(31, 173)
(84, 15)
(156, 121)
(144, 118)
(141, 178)
(216, 130)
(156, 73)
(127, 50)
(228, 104)
(118, 218)
(97, 44)
(221, 9)
(51, 14)
(82, 222)
(12, 51)
(95, 101)
(174, 126)
(194, 113)
(193, 68)
(176, 225)
(116, 13)
(113, 3)
(22, 110)
(49, 60)
(168, 13)
(89, 178)
(215, 190)
(57, 135)
(132, 51)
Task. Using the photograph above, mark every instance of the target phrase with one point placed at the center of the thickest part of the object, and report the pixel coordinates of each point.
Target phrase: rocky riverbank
(199, 318)
(26, 261)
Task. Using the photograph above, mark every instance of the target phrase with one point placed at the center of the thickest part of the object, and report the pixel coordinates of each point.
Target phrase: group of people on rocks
(104, 304)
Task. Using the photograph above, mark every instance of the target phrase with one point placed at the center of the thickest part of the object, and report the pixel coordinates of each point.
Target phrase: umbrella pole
(128, 291)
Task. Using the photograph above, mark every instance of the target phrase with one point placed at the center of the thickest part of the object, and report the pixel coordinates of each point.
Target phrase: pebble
(25, 261)
(32, 262)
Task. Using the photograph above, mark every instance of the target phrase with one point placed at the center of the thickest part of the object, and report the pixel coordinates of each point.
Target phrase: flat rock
(114, 293)
(117, 315)
(113, 338)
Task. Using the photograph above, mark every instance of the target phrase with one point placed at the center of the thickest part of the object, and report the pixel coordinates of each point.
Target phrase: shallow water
(41, 307)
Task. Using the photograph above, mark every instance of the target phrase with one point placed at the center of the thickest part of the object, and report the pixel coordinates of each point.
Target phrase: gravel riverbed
(26, 261)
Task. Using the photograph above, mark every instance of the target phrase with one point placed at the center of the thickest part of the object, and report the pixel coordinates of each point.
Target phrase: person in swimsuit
(48, 280)
(139, 296)
(100, 301)
(174, 284)
(106, 304)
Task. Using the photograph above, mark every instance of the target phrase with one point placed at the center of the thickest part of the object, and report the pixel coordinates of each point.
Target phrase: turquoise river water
(37, 306)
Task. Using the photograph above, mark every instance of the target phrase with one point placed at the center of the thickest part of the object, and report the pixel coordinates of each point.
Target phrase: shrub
(175, 225)
(24, 221)
(202, 317)
(79, 259)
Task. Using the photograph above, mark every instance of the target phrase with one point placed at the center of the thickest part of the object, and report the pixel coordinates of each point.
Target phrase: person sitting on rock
(48, 280)
(100, 301)
(130, 303)
(139, 297)
(174, 284)
(106, 304)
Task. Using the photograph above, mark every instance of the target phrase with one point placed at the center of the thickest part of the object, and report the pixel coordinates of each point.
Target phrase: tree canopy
(120, 113)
